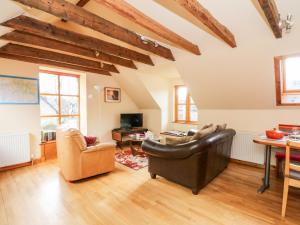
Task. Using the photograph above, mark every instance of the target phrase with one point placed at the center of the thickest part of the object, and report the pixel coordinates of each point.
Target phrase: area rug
(136, 162)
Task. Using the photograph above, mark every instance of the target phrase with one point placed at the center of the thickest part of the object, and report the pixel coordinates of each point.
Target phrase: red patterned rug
(136, 162)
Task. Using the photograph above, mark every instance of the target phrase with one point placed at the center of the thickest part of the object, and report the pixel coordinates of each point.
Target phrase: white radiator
(14, 149)
(243, 148)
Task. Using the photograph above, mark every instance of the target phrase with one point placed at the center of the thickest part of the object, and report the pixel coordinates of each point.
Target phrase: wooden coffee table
(135, 145)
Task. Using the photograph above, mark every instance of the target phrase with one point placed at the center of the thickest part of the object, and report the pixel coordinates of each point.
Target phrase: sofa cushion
(206, 126)
(221, 127)
(202, 133)
(178, 140)
(191, 132)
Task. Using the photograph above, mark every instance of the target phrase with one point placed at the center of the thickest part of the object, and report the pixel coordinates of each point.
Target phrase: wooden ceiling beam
(47, 30)
(52, 63)
(30, 39)
(14, 49)
(76, 14)
(110, 68)
(205, 17)
(82, 3)
(129, 12)
(271, 12)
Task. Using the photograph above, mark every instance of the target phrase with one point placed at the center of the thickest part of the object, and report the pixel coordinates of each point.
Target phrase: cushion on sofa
(221, 127)
(207, 126)
(178, 140)
(202, 133)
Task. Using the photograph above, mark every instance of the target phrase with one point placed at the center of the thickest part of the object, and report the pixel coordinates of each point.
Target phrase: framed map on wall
(18, 90)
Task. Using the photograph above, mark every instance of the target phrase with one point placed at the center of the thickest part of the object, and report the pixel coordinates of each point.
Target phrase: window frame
(280, 80)
(59, 116)
(188, 107)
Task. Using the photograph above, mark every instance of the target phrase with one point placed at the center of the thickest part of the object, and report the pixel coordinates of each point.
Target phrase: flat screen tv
(130, 120)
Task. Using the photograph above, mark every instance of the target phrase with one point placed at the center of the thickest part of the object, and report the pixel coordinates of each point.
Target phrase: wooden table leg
(134, 150)
(266, 179)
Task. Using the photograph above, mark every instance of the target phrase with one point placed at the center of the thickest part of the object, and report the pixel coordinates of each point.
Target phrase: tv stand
(121, 135)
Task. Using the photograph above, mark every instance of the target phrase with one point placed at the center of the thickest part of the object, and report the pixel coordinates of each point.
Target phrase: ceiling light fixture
(286, 24)
(147, 41)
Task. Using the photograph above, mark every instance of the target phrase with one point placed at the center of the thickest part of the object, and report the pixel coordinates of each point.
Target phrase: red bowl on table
(274, 134)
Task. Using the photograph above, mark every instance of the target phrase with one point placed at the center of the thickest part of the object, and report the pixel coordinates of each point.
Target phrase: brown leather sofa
(77, 161)
(193, 164)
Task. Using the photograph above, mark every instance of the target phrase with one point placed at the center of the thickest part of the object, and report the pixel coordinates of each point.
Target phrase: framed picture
(19, 90)
(112, 95)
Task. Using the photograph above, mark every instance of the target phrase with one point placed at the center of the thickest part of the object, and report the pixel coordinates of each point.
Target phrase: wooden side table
(48, 150)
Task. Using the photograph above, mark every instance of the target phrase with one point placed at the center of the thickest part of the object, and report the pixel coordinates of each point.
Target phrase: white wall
(102, 117)
(158, 87)
(250, 119)
(21, 118)
(152, 120)
(97, 117)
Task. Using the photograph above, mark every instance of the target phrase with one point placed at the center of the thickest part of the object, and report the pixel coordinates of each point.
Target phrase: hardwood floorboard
(39, 195)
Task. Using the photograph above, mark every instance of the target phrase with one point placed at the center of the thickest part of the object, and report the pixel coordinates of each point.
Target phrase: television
(130, 120)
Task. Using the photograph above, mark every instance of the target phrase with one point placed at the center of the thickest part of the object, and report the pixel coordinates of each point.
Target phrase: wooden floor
(38, 195)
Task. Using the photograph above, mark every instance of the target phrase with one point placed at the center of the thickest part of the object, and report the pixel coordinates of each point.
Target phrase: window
(59, 100)
(287, 76)
(185, 108)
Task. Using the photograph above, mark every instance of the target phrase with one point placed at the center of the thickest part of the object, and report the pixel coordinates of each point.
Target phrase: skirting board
(5, 168)
(12, 167)
(256, 165)
(36, 161)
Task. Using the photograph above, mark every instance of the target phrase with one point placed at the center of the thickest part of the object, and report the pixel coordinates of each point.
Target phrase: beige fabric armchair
(77, 161)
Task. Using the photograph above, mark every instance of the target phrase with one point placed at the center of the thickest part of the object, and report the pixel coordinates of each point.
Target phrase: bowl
(274, 134)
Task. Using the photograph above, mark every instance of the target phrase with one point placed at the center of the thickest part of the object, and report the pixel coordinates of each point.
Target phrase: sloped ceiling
(135, 88)
(227, 78)
(222, 77)
(8, 10)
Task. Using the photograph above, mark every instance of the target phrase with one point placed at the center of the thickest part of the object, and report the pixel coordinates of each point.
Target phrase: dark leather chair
(193, 164)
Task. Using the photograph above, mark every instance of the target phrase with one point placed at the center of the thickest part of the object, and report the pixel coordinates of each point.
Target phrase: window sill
(185, 122)
(47, 142)
(288, 104)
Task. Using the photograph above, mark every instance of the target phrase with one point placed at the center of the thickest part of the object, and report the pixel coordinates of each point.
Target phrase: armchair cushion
(90, 140)
(78, 138)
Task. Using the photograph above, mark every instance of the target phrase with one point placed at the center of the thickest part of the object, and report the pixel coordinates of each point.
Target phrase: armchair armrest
(99, 147)
(179, 151)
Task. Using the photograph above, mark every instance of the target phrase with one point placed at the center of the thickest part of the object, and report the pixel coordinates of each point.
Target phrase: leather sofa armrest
(179, 151)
